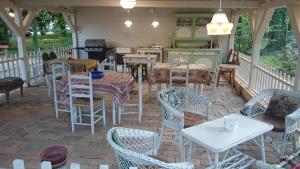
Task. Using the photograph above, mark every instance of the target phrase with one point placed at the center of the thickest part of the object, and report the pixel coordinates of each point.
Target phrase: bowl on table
(97, 74)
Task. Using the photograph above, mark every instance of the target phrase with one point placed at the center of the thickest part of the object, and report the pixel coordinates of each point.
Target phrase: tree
(4, 36)
(43, 20)
(243, 36)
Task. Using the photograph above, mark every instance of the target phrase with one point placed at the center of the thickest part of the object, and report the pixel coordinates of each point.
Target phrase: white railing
(10, 64)
(19, 164)
(264, 77)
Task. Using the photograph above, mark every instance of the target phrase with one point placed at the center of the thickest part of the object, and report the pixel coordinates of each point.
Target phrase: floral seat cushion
(290, 162)
(282, 105)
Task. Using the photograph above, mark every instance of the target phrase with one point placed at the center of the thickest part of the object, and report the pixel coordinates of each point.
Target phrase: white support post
(260, 20)
(29, 18)
(24, 64)
(46, 165)
(18, 164)
(234, 20)
(294, 15)
(9, 21)
(71, 20)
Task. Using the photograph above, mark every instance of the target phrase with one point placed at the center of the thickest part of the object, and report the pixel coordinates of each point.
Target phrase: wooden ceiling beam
(143, 3)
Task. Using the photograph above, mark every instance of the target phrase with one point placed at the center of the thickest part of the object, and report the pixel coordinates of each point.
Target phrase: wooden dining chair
(83, 103)
(232, 64)
(179, 71)
(106, 65)
(58, 71)
(139, 104)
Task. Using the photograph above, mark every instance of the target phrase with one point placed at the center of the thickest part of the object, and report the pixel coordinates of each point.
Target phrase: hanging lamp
(219, 24)
(155, 22)
(127, 4)
(128, 22)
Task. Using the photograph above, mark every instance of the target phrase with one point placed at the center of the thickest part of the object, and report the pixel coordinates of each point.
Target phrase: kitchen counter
(209, 57)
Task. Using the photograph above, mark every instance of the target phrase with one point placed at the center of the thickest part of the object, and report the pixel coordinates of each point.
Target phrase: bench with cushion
(8, 84)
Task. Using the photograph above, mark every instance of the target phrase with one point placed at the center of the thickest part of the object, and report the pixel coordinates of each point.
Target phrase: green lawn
(44, 42)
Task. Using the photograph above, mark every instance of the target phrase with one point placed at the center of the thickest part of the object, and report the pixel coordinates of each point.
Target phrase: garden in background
(279, 49)
(48, 30)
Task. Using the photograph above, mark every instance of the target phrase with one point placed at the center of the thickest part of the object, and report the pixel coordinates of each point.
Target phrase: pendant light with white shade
(155, 22)
(127, 4)
(219, 24)
(128, 22)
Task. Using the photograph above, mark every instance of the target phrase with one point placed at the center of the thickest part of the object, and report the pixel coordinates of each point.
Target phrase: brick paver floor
(28, 125)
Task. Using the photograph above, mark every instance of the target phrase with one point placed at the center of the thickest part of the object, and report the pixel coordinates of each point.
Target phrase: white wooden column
(18, 26)
(71, 20)
(260, 20)
(294, 15)
(23, 64)
(234, 20)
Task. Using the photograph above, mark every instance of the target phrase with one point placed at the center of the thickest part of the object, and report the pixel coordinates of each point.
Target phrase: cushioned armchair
(138, 148)
(280, 108)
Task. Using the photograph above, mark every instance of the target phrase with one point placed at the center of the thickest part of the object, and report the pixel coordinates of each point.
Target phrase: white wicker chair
(134, 147)
(258, 106)
(175, 116)
(179, 75)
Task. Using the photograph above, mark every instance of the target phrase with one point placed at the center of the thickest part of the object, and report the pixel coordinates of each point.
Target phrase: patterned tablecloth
(118, 85)
(198, 73)
(76, 65)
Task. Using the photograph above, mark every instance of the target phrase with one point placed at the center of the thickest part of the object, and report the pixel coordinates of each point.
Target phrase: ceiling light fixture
(127, 4)
(128, 22)
(219, 24)
(155, 22)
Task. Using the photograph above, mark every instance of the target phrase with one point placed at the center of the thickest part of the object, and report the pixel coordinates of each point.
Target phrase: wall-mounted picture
(202, 21)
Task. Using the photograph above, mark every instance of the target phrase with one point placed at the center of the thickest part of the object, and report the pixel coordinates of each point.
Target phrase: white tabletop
(213, 136)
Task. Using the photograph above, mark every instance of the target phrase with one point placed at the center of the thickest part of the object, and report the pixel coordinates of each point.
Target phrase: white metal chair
(139, 105)
(266, 105)
(179, 71)
(81, 97)
(181, 107)
(138, 148)
(105, 63)
(59, 70)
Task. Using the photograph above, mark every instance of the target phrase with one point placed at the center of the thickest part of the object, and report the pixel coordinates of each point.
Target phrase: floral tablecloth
(198, 73)
(118, 85)
(76, 65)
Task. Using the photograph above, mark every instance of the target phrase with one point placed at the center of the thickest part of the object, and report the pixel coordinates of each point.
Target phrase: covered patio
(28, 124)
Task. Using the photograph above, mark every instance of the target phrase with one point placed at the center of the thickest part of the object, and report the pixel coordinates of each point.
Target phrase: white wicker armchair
(182, 107)
(283, 127)
(133, 148)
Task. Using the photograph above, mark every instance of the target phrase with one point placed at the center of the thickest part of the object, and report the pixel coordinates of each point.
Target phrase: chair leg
(218, 78)
(285, 139)
(80, 115)
(181, 147)
(7, 96)
(92, 122)
(103, 111)
(161, 136)
(22, 90)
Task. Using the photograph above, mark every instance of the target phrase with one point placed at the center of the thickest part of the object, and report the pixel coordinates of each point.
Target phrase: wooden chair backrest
(234, 57)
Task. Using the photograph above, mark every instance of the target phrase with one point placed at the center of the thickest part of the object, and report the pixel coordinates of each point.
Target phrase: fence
(10, 64)
(265, 77)
(19, 164)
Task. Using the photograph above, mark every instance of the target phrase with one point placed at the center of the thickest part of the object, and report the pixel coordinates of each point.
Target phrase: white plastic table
(215, 138)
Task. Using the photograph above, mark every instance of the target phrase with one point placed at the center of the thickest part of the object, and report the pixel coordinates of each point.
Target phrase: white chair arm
(250, 105)
(291, 121)
(263, 165)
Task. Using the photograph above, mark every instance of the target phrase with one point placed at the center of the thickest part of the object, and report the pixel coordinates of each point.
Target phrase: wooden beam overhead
(143, 3)
(10, 22)
(279, 3)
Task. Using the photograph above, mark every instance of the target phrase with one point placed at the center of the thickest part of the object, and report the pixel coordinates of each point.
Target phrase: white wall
(108, 23)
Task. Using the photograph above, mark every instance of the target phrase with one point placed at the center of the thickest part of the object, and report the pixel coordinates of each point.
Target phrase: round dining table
(118, 85)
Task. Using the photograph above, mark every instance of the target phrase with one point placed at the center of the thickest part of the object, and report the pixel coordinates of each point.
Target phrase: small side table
(230, 69)
(213, 137)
